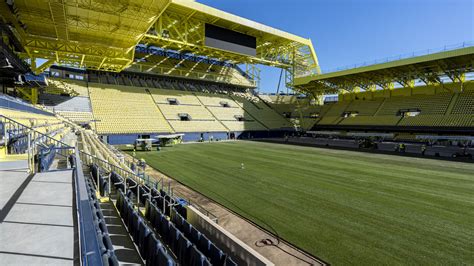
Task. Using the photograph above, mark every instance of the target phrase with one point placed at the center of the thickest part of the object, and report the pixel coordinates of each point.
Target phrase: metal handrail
(119, 170)
(35, 131)
(88, 244)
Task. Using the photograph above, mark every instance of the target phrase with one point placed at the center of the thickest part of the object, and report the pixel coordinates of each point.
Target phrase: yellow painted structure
(427, 68)
(102, 35)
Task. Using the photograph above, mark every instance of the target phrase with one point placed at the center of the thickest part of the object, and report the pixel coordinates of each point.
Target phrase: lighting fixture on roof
(165, 34)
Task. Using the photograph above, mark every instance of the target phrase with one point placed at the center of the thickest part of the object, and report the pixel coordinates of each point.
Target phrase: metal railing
(88, 242)
(190, 202)
(22, 139)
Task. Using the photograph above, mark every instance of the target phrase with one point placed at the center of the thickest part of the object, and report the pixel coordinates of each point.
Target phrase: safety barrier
(88, 241)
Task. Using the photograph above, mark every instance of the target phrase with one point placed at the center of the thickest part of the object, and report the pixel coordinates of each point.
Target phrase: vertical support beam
(3, 149)
(34, 96)
(319, 98)
(371, 88)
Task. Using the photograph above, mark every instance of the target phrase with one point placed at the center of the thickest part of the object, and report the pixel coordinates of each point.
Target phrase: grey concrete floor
(38, 227)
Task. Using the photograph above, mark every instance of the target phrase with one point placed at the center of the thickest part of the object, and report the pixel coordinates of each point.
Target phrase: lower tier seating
(385, 120)
(197, 126)
(439, 121)
(243, 125)
(121, 110)
(163, 235)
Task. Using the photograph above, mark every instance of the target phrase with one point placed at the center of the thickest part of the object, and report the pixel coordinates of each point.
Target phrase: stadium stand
(161, 236)
(261, 111)
(141, 71)
(163, 232)
(120, 109)
(181, 97)
(427, 104)
(184, 112)
(439, 109)
(185, 107)
(382, 120)
(465, 101)
(367, 107)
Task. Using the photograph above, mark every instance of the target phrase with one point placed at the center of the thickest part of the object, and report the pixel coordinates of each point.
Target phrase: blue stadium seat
(195, 235)
(143, 233)
(197, 258)
(230, 262)
(204, 245)
(183, 250)
(216, 256)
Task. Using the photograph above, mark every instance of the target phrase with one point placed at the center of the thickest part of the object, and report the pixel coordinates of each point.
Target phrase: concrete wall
(240, 252)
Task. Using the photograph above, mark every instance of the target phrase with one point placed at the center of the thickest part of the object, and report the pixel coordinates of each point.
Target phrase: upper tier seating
(228, 113)
(67, 86)
(121, 110)
(201, 119)
(285, 108)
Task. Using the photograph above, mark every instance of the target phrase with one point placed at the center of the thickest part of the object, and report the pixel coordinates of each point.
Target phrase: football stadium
(138, 132)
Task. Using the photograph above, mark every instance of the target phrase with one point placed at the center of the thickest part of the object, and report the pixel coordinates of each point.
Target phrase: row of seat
(185, 251)
(207, 247)
(103, 182)
(188, 245)
(261, 111)
(150, 248)
(121, 110)
(77, 117)
(160, 207)
(103, 237)
(437, 106)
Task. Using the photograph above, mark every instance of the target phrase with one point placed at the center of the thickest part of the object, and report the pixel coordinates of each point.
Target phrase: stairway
(452, 103)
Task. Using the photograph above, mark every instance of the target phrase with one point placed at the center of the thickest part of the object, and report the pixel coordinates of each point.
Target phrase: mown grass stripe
(343, 206)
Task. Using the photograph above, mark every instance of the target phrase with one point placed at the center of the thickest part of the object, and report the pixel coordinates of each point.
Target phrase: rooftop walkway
(37, 221)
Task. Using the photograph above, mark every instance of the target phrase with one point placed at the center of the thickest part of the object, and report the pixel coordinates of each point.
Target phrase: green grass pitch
(344, 207)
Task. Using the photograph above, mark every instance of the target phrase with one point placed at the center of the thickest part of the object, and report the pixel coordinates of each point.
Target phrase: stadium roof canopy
(427, 68)
(102, 35)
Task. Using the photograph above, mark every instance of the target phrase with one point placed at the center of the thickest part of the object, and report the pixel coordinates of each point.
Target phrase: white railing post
(30, 165)
(98, 174)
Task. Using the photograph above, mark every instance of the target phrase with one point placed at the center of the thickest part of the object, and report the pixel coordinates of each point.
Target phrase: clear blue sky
(347, 32)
